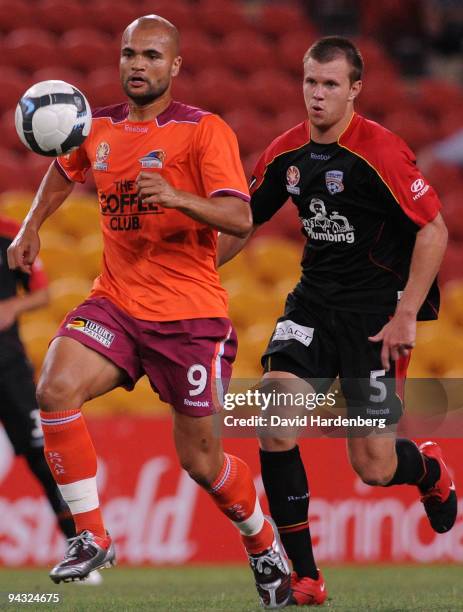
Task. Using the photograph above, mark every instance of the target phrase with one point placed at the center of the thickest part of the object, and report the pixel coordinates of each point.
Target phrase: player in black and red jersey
(19, 412)
(375, 241)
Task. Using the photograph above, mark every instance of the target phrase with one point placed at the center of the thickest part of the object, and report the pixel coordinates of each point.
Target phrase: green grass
(229, 589)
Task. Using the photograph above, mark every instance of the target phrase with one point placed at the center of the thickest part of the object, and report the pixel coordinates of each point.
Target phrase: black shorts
(321, 344)
(19, 412)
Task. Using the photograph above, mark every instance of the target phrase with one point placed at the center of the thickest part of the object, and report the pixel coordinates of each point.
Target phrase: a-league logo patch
(333, 180)
(293, 176)
(92, 329)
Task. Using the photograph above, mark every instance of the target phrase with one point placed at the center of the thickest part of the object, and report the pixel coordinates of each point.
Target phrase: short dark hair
(331, 47)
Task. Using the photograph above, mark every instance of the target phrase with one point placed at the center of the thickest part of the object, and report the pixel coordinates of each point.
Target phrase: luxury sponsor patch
(288, 330)
(92, 329)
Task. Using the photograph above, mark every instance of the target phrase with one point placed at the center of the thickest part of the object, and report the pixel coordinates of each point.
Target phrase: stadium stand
(242, 59)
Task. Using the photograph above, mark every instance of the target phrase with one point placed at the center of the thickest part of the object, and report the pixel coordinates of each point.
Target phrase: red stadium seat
(14, 175)
(253, 130)
(17, 15)
(268, 89)
(104, 87)
(220, 90)
(445, 178)
(373, 55)
(62, 73)
(10, 138)
(290, 117)
(199, 52)
(59, 15)
(181, 14)
(452, 214)
(14, 84)
(36, 165)
(450, 123)
(31, 48)
(84, 49)
(439, 97)
(375, 101)
(220, 19)
(415, 130)
(245, 53)
(291, 49)
(187, 89)
(276, 19)
(112, 17)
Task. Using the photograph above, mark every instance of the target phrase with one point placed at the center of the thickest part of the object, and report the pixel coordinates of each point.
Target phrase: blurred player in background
(376, 239)
(168, 177)
(19, 412)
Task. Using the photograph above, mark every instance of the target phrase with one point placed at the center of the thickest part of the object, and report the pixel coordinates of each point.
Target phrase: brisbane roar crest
(101, 156)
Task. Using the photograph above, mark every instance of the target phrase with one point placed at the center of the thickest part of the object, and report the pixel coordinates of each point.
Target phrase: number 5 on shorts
(197, 377)
(378, 385)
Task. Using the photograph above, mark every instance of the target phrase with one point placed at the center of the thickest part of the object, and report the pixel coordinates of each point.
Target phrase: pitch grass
(230, 589)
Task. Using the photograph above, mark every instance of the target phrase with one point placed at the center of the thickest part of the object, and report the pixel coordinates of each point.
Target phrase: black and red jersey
(10, 281)
(361, 201)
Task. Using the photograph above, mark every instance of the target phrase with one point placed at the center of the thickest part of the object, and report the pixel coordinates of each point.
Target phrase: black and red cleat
(307, 591)
(440, 500)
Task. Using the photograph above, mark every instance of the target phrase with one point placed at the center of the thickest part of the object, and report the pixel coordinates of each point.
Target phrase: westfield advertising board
(158, 516)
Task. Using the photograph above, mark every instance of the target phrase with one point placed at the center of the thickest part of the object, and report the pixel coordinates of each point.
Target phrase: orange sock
(233, 491)
(71, 457)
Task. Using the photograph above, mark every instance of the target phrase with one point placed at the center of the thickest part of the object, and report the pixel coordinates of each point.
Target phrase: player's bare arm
(227, 214)
(52, 192)
(398, 336)
(228, 246)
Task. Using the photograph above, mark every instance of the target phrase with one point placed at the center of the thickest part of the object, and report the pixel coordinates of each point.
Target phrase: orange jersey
(158, 263)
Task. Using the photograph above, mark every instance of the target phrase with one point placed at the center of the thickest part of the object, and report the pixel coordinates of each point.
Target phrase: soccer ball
(53, 118)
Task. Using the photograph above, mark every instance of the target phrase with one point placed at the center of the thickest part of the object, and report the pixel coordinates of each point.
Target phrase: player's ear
(355, 89)
(176, 66)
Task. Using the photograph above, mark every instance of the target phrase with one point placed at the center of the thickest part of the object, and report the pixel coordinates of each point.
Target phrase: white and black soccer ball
(53, 118)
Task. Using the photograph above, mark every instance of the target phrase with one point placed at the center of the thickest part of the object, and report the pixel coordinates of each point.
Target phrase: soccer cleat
(86, 553)
(306, 591)
(272, 573)
(440, 501)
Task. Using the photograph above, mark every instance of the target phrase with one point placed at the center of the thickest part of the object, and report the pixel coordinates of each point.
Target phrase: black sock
(39, 467)
(287, 490)
(413, 467)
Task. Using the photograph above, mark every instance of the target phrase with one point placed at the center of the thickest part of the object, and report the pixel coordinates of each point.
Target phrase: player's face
(148, 63)
(328, 92)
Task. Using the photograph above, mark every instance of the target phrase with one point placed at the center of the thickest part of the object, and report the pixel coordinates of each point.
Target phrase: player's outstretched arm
(229, 215)
(53, 190)
(229, 246)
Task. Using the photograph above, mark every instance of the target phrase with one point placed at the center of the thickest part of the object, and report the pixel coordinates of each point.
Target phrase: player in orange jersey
(168, 176)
